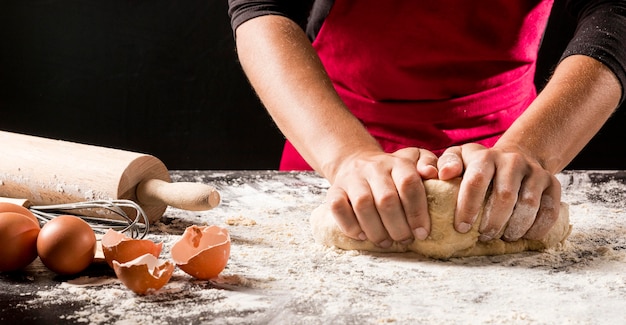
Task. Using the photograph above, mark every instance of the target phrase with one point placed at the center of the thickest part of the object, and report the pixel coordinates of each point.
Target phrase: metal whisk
(136, 226)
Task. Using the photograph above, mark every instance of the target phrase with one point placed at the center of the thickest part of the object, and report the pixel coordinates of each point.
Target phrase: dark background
(162, 77)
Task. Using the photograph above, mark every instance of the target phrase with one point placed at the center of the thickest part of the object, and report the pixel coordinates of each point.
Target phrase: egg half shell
(144, 274)
(202, 251)
(18, 241)
(116, 246)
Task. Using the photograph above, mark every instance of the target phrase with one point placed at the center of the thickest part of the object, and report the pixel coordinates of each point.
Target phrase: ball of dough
(444, 241)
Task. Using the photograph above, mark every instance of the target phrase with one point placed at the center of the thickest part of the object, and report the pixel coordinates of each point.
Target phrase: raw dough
(444, 241)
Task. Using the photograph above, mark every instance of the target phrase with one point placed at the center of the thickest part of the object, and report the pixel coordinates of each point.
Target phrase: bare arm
(289, 78)
(373, 195)
(580, 97)
(520, 168)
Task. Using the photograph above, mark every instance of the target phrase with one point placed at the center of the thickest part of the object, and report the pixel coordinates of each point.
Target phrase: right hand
(380, 197)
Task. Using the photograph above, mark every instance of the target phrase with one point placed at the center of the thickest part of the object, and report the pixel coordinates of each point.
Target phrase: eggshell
(202, 251)
(18, 241)
(66, 244)
(12, 207)
(116, 246)
(144, 273)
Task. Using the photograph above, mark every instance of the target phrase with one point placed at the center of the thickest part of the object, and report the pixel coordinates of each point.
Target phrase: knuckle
(505, 194)
(360, 201)
(516, 159)
(529, 199)
(408, 181)
(387, 200)
(336, 204)
(476, 181)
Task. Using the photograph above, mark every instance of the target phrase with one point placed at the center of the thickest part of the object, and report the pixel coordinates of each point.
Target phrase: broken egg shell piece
(116, 246)
(202, 251)
(144, 274)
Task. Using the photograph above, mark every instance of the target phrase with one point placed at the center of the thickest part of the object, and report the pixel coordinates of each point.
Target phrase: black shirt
(600, 32)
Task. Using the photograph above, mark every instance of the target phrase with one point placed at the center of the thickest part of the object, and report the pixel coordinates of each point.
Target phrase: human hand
(524, 198)
(380, 196)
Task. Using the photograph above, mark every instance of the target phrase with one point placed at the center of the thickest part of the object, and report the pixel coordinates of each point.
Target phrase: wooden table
(277, 274)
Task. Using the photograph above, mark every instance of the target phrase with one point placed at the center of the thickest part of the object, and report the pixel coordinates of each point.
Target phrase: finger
(410, 153)
(548, 213)
(426, 160)
(427, 164)
(364, 206)
(413, 199)
(344, 216)
(499, 205)
(388, 204)
(450, 163)
(472, 193)
(522, 218)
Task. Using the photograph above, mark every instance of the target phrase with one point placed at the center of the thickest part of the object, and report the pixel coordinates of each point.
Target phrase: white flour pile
(277, 274)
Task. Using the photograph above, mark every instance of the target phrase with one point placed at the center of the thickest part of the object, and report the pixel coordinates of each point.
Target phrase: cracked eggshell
(202, 251)
(144, 274)
(116, 246)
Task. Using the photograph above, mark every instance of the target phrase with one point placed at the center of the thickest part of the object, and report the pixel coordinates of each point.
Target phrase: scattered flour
(278, 275)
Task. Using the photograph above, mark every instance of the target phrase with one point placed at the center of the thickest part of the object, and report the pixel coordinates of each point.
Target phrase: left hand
(524, 199)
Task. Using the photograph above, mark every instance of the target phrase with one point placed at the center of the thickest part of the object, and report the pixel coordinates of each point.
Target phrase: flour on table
(444, 241)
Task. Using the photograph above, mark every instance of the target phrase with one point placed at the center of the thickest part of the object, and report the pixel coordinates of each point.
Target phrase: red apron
(431, 74)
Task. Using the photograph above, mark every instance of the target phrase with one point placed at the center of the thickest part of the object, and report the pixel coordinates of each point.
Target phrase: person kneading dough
(381, 96)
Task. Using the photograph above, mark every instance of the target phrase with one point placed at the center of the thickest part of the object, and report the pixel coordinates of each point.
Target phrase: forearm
(579, 98)
(289, 78)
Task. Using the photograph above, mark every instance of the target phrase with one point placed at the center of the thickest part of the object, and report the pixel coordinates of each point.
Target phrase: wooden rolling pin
(46, 171)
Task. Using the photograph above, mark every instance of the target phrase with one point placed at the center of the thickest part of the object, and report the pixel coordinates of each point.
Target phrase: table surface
(277, 274)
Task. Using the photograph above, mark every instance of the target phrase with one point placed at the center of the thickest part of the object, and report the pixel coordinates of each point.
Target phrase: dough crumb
(240, 221)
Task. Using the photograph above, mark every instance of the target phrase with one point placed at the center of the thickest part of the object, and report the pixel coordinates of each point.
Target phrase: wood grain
(47, 171)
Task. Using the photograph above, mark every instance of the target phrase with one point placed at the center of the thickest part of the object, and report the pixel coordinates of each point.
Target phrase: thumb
(450, 163)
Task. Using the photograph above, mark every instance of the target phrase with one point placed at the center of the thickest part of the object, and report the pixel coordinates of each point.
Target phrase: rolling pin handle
(182, 195)
(23, 202)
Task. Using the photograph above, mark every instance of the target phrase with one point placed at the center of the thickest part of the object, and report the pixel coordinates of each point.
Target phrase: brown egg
(144, 274)
(18, 241)
(118, 247)
(66, 244)
(202, 252)
(12, 207)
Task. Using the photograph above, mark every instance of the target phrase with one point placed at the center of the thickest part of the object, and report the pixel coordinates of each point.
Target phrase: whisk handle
(182, 195)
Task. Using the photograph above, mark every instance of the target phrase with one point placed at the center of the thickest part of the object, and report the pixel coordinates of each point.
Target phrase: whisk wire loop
(136, 226)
